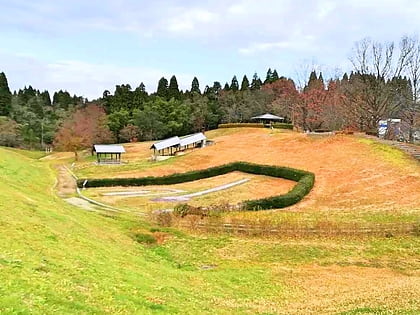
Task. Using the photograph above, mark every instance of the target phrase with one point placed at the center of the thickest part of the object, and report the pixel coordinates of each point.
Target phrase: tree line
(384, 84)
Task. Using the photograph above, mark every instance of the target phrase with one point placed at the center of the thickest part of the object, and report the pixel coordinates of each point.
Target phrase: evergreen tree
(45, 96)
(274, 76)
(269, 76)
(217, 86)
(173, 90)
(245, 83)
(5, 96)
(162, 89)
(345, 77)
(195, 86)
(234, 86)
(226, 87)
(256, 82)
(312, 78)
(321, 79)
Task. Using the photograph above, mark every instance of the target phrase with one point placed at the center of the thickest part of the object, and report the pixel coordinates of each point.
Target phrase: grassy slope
(57, 259)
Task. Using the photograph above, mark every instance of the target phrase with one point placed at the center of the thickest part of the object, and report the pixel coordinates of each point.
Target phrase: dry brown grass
(350, 175)
(257, 187)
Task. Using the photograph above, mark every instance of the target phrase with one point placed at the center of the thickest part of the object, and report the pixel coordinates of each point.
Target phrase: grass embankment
(58, 259)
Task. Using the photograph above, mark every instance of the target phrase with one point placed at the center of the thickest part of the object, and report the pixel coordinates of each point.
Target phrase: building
(172, 145)
(268, 119)
(108, 153)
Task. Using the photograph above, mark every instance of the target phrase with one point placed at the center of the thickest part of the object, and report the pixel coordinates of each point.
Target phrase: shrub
(372, 132)
(282, 126)
(305, 181)
(181, 210)
(238, 125)
(163, 218)
(144, 238)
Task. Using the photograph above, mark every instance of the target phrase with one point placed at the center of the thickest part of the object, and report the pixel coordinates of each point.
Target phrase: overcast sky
(87, 46)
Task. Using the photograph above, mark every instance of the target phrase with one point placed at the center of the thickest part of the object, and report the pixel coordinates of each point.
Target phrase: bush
(322, 130)
(144, 238)
(238, 125)
(282, 126)
(305, 181)
(372, 132)
(181, 210)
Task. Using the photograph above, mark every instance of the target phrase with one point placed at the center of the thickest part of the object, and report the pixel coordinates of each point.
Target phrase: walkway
(203, 192)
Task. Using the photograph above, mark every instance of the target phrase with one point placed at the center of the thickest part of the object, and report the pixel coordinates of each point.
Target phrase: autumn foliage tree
(87, 126)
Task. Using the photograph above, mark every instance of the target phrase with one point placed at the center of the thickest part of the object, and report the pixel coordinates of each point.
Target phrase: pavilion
(108, 153)
(172, 145)
(268, 119)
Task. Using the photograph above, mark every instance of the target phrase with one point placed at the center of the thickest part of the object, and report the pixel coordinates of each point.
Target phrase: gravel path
(203, 192)
(143, 193)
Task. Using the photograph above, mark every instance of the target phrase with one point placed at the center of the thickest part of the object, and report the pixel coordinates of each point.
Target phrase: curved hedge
(305, 181)
(256, 125)
(237, 125)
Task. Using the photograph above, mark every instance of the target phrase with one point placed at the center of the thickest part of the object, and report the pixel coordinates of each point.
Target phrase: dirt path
(203, 192)
(66, 185)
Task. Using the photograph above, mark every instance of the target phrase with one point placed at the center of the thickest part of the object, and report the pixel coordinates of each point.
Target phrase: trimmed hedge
(283, 126)
(256, 125)
(237, 125)
(305, 181)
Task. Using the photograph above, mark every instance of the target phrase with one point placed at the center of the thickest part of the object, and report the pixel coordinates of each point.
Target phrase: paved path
(203, 192)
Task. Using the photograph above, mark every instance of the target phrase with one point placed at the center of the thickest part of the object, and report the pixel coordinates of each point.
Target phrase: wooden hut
(108, 153)
(172, 145)
(167, 146)
(194, 140)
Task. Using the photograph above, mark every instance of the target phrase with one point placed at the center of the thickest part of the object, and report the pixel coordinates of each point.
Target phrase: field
(357, 180)
(56, 258)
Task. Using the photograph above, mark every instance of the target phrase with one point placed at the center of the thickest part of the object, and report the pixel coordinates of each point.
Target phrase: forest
(384, 83)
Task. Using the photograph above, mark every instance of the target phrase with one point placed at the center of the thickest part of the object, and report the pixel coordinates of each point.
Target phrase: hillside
(59, 259)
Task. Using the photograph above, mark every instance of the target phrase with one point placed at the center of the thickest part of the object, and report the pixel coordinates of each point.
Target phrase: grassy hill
(59, 259)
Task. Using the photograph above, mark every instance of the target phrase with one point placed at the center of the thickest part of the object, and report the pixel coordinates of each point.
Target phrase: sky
(88, 46)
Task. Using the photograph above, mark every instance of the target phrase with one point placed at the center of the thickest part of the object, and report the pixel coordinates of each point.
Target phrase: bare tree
(374, 88)
(413, 73)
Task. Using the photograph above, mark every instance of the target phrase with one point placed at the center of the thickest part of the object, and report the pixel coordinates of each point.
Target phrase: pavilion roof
(108, 148)
(167, 143)
(268, 117)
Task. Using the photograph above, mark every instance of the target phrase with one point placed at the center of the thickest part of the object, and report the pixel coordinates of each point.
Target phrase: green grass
(59, 259)
(33, 154)
(388, 153)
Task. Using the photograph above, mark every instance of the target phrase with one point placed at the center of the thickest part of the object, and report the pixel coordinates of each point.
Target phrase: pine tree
(45, 96)
(5, 96)
(321, 79)
(162, 89)
(217, 86)
(345, 77)
(195, 86)
(234, 85)
(256, 82)
(274, 76)
(226, 87)
(268, 76)
(173, 90)
(245, 83)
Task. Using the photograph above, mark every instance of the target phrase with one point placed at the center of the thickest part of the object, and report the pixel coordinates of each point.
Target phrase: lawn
(357, 179)
(59, 259)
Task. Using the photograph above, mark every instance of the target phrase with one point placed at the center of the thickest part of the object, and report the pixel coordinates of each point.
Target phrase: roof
(197, 137)
(108, 148)
(268, 117)
(167, 143)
